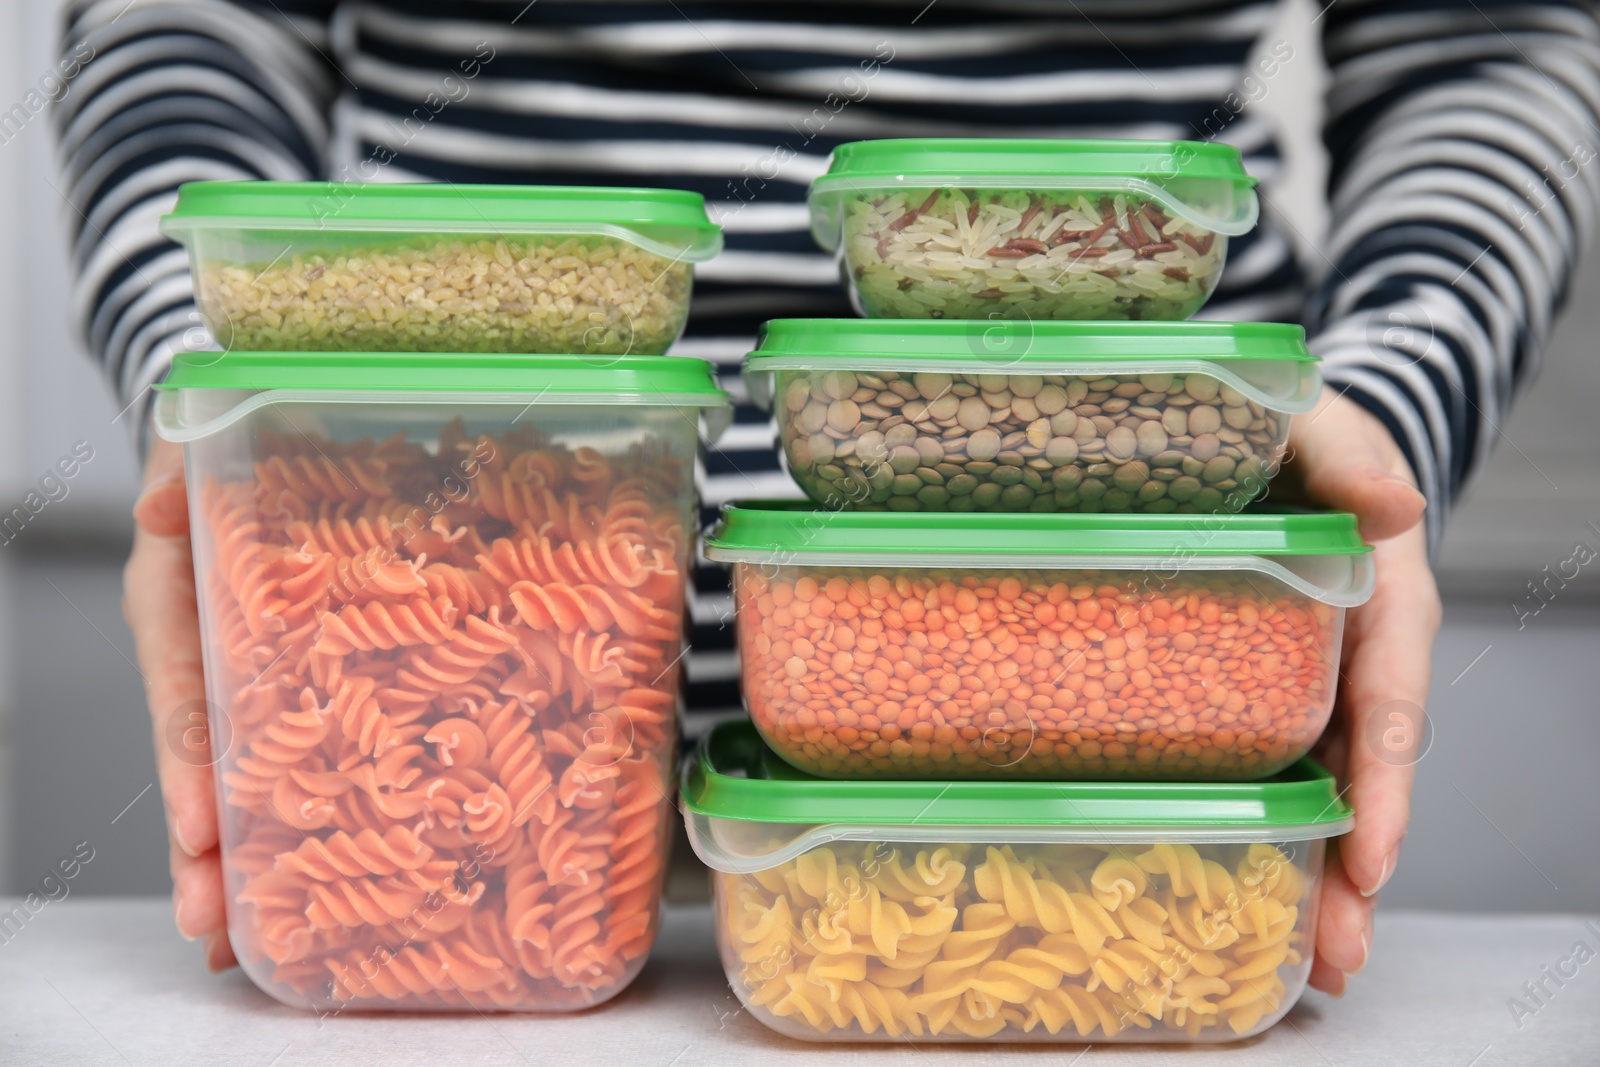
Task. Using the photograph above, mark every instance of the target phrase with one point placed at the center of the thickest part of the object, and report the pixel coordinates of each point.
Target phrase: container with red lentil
(1040, 646)
(941, 415)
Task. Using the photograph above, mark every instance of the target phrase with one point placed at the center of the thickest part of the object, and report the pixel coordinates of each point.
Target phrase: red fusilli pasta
(451, 681)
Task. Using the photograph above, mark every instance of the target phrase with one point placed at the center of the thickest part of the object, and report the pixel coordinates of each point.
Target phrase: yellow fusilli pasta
(1074, 941)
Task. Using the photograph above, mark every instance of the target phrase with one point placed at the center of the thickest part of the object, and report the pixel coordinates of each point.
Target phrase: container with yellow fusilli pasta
(1009, 911)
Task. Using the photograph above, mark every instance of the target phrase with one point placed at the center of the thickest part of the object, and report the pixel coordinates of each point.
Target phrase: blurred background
(1503, 813)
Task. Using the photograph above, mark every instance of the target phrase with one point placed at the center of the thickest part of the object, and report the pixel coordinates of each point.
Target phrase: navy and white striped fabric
(1462, 135)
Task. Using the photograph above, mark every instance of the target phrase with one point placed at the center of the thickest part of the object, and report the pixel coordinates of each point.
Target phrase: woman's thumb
(1346, 460)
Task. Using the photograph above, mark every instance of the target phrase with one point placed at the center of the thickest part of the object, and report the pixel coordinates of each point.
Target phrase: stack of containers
(1033, 693)
(441, 487)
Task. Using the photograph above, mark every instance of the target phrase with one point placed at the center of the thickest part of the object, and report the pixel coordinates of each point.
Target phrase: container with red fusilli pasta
(442, 601)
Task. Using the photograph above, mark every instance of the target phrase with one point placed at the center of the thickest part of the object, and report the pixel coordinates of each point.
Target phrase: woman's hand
(160, 606)
(1344, 458)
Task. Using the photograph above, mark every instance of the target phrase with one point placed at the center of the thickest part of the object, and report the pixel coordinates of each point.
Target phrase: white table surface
(110, 982)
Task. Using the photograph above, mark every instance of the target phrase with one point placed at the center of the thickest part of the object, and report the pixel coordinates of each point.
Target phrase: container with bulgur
(1040, 646)
(1036, 229)
(887, 415)
(313, 266)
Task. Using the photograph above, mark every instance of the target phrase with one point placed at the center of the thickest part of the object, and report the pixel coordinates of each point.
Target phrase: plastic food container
(1009, 911)
(441, 601)
(1040, 646)
(1033, 416)
(307, 266)
(1036, 229)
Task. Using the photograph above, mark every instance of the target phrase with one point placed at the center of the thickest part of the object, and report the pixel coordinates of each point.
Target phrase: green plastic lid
(1042, 158)
(245, 381)
(1202, 181)
(797, 528)
(631, 376)
(670, 221)
(734, 778)
(1320, 554)
(1268, 362)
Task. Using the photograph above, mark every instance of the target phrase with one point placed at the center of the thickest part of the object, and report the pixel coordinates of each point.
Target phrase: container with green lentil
(329, 266)
(1002, 415)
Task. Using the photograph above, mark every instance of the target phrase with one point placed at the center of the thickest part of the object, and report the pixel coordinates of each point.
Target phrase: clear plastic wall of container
(936, 940)
(441, 637)
(1047, 229)
(1026, 253)
(1138, 690)
(1172, 457)
(440, 268)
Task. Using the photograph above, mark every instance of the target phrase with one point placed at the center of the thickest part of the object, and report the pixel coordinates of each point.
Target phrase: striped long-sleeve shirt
(1462, 136)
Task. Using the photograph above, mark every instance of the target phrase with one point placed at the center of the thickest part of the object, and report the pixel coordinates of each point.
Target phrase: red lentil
(1035, 673)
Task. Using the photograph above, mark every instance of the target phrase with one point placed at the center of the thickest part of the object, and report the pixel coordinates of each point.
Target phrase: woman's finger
(1387, 669)
(1344, 926)
(197, 905)
(1345, 459)
(219, 953)
(159, 603)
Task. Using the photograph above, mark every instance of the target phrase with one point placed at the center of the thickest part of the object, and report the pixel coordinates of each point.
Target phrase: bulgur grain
(580, 294)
